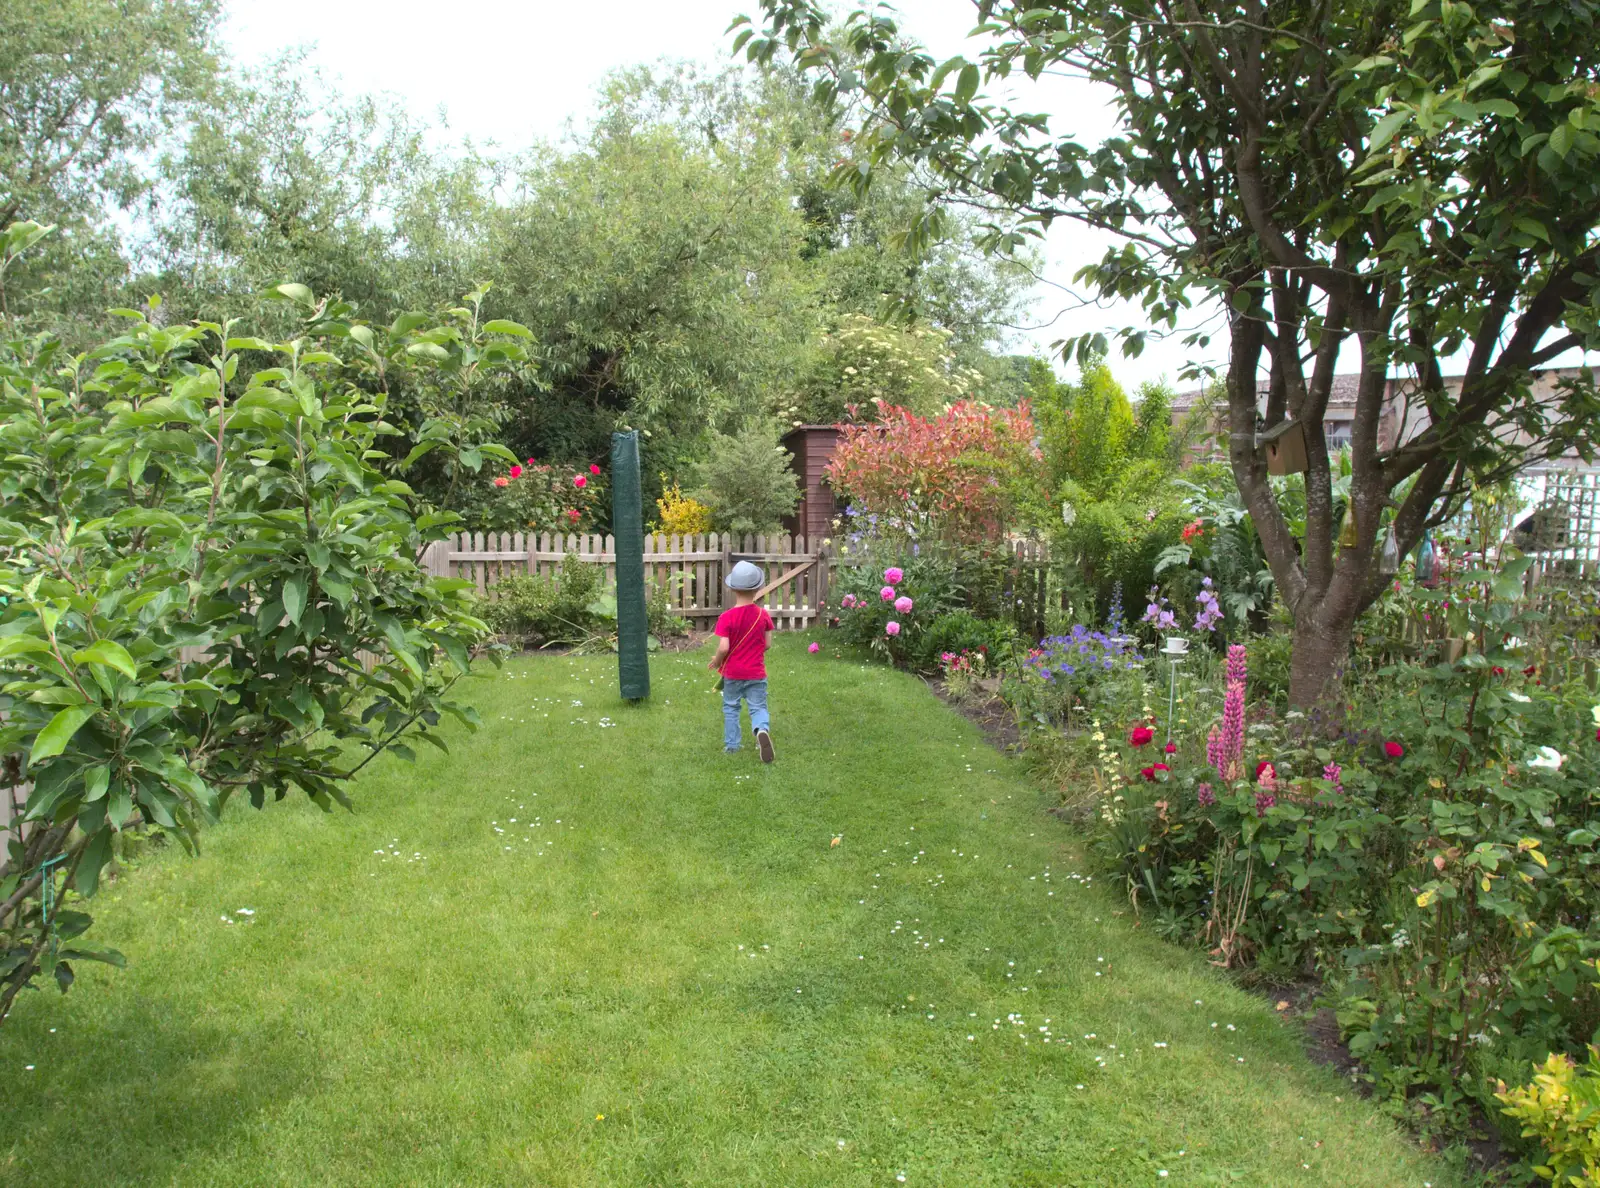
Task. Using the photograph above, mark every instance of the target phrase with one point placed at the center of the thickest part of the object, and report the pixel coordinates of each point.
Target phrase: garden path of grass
(662, 972)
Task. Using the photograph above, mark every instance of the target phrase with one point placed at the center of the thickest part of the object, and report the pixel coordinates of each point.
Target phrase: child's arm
(724, 644)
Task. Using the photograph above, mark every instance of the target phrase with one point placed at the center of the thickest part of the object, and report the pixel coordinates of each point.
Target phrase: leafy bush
(958, 632)
(539, 610)
(533, 497)
(679, 514)
(1561, 1108)
(747, 481)
(891, 608)
(960, 476)
(570, 608)
(193, 568)
(865, 361)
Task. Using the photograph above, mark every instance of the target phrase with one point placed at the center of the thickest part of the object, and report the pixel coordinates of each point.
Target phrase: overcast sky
(512, 72)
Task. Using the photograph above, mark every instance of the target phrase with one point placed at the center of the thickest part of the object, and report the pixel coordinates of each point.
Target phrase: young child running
(743, 631)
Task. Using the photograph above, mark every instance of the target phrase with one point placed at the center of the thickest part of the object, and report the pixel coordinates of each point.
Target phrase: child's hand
(715, 664)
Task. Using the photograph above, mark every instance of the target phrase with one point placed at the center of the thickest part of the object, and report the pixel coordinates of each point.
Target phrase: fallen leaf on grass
(836, 841)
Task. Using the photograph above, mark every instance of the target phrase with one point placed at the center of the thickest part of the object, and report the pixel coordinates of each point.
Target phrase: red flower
(1498, 671)
(1530, 670)
(579, 481)
(1193, 529)
(530, 462)
(501, 481)
(516, 472)
(593, 469)
(1148, 773)
(1172, 748)
(572, 514)
(1141, 735)
(1393, 749)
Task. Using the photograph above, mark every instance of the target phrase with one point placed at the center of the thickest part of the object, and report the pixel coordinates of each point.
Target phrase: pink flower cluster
(1225, 745)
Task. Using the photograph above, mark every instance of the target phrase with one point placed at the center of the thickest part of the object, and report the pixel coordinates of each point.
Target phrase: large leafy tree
(1418, 179)
(87, 88)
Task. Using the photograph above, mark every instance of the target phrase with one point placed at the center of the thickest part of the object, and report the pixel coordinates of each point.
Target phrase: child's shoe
(764, 741)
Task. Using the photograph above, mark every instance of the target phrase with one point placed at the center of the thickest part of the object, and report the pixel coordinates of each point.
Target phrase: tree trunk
(1321, 652)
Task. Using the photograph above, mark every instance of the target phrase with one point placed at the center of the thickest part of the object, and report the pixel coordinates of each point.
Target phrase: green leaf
(109, 653)
(501, 326)
(95, 782)
(427, 350)
(1383, 131)
(95, 855)
(294, 597)
(1561, 140)
(967, 83)
(297, 293)
(58, 732)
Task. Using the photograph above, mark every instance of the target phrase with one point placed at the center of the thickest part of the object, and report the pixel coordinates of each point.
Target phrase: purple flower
(1332, 773)
(1204, 796)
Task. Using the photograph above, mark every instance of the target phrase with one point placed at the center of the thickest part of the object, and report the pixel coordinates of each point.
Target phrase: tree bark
(1321, 652)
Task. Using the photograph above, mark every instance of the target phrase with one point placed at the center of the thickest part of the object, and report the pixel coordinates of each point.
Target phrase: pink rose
(887, 593)
(891, 628)
(902, 604)
(516, 472)
(501, 481)
(814, 648)
(892, 575)
(579, 481)
(594, 470)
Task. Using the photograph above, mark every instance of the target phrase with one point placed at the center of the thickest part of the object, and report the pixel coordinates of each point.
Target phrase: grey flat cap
(745, 576)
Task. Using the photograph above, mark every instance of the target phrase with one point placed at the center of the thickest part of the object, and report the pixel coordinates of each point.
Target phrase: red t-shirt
(746, 628)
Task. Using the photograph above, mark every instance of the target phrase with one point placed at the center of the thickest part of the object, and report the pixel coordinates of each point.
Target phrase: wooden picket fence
(691, 568)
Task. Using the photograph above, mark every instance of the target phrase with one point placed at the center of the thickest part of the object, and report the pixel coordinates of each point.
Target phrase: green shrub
(542, 611)
(747, 482)
(1561, 1108)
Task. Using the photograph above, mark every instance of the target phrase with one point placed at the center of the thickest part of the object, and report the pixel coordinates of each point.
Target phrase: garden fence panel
(692, 568)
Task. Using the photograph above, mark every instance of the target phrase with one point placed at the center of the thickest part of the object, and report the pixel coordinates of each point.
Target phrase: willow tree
(1418, 179)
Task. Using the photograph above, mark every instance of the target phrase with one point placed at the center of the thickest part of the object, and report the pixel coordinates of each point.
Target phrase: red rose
(1394, 750)
(1148, 773)
(1141, 735)
(530, 462)
(593, 469)
(572, 514)
(1498, 671)
(516, 472)
(1171, 748)
(1530, 670)
(578, 480)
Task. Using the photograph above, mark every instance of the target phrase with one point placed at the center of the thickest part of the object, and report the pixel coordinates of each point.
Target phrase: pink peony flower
(502, 481)
(893, 574)
(887, 593)
(847, 601)
(579, 481)
(516, 472)
(891, 628)
(902, 604)
(1394, 750)
(814, 648)
(1140, 735)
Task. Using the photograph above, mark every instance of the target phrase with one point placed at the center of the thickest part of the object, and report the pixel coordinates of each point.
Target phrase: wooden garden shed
(811, 447)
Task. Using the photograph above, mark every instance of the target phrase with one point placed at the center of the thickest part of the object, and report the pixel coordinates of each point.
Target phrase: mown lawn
(662, 972)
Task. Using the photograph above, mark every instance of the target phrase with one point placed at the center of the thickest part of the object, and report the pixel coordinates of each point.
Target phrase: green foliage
(865, 614)
(210, 588)
(87, 88)
(535, 611)
(747, 481)
(571, 608)
(1561, 1108)
(1420, 211)
(864, 361)
(1088, 430)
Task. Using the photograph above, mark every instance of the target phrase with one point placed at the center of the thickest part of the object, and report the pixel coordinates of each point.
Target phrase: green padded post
(627, 526)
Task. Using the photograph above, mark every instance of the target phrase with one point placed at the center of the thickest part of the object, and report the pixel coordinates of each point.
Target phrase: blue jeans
(755, 692)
